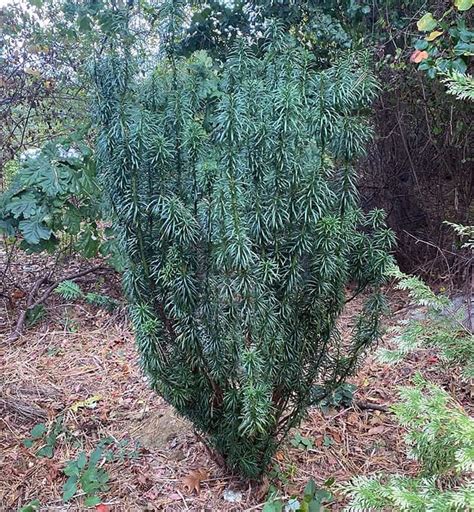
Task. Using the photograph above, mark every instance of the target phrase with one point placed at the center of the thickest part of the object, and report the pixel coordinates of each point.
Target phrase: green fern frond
(69, 290)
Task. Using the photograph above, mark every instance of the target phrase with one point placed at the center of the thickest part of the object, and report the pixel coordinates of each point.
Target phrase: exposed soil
(79, 352)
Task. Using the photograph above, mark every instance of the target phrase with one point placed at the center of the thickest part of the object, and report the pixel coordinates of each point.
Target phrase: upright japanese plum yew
(236, 203)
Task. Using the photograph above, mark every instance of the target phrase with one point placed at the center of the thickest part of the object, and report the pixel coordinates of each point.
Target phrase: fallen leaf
(102, 508)
(353, 418)
(18, 294)
(376, 430)
(192, 482)
(426, 23)
(279, 456)
(262, 489)
(88, 402)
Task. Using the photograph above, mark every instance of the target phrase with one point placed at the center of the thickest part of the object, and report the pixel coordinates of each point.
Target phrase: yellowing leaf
(88, 402)
(463, 5)
(426, 23)
(433, 35)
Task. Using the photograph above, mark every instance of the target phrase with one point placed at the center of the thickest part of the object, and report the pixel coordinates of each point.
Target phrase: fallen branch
(23, 408)
(31, 303)
(368, 405)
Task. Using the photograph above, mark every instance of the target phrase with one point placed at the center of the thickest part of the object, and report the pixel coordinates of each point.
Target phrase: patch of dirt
(160, 428)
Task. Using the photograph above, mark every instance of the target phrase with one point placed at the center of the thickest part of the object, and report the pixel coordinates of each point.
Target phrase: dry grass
(79, 352)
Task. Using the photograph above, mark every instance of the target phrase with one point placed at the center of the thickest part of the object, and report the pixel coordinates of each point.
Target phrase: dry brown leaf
(192, 482)
(376, 430)
(279, 456)
(353, 418)
(17, 295)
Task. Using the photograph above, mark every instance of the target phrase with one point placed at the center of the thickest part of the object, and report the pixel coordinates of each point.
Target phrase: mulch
(79, 364)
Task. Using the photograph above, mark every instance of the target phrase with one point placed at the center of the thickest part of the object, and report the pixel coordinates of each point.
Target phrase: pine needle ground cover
(236, 204)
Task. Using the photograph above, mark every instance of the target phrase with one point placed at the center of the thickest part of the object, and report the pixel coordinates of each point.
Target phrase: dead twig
(31, 303)
(23, 408)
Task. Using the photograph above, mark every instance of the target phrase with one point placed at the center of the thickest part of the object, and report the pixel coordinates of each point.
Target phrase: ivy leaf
(418, 56)
(426, 23)
(463, 5)
(434, 35)
(34, 230)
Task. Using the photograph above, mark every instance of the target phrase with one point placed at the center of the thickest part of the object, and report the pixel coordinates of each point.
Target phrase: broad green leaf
(463, 5)
(81, 460)
(28, 443)
(92, 501)
(72, 219)
(51, 177)
(421, 44)
(34, 230)
(70, 488)
(24, 204)
(71, 469)
(464, 49)
(95, 456)
(426, 23)
(88, 244)
(38, 430)
(46, 451)
(32, 506)
(274, 506)
(310, 488)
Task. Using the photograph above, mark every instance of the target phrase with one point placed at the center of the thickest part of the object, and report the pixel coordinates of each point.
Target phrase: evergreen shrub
(236, 204)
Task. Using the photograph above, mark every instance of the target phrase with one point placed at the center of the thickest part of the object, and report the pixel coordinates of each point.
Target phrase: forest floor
(77, 371)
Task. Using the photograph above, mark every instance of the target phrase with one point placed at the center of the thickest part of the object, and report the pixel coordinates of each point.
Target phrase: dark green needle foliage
(236, 203)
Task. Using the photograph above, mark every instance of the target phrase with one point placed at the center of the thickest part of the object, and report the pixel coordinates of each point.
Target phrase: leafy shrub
(54, 202)
(440, 436)
(236, 207)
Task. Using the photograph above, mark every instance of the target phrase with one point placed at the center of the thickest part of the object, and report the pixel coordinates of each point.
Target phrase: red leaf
(417, 56)
(102, 508)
